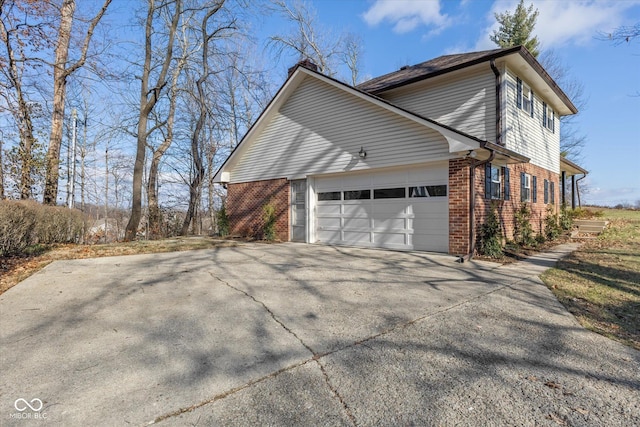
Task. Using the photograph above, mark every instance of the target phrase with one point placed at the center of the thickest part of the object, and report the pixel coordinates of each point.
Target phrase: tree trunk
(61, 73)
(148, 100)
(59, 91)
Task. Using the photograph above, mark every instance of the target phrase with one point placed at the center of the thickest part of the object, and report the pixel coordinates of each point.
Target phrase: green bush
(27, 223)
(523, 230)
(490, 235)
(223, 221)
(552, 228)
(269, 218)
(566, 218)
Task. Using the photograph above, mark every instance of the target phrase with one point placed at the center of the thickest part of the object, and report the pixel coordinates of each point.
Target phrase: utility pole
(72, 182)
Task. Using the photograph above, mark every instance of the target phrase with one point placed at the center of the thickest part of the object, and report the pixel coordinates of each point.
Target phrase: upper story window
(548, 117)
(524, 97)
(496, 182)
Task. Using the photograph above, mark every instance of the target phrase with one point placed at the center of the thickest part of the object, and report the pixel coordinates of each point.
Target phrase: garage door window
(428, 191)
(330, 195)
(390, 193)
(357, 195)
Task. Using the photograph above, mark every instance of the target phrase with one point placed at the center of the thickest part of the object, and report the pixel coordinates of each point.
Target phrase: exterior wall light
(362, 153)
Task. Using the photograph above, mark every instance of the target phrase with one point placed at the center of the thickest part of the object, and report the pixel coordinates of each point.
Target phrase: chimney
(306, 63)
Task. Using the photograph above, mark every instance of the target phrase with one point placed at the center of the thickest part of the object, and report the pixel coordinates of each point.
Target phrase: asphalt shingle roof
(433, 67)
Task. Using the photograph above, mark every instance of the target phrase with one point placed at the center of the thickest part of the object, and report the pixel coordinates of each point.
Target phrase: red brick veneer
(459, 171)
(245, 203)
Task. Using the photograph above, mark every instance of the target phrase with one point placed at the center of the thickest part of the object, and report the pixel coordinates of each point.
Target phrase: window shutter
(522, 196)
(505, 172)
(519, 90)
(532, 103)
(553, 122)
(544, 114)
(546, 191)
(553, 193)
(534, 189)
(487, 181)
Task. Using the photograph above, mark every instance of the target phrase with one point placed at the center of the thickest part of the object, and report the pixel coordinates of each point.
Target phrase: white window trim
(551, 117)
(497, 183)
(526, 98)
(527, 187)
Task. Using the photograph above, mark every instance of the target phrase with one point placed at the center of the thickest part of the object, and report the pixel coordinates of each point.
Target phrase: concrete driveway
(296, 334)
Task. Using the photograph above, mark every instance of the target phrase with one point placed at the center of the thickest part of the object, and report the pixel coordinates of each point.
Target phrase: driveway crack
(315, 356)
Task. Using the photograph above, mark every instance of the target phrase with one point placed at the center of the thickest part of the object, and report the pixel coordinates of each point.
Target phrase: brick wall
(459, 171)
(245, 203)
(459, 206)
(506, 208)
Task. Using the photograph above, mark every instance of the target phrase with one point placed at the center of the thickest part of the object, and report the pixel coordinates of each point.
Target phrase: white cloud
(407, 15)
(563, 22)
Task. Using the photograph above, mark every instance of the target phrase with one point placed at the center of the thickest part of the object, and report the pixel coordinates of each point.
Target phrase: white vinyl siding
(320, 129)
(528, 135)
(464, 100)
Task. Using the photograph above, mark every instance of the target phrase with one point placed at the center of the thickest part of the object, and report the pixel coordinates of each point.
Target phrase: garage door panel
(355, 237)
(389, 238)
(386, 208)
(381, 224)
(356, 210)
(393, 222)
(357, 223)
(328, 209)
(329, 222)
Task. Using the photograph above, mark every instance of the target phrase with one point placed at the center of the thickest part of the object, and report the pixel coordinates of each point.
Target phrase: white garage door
(407, 209)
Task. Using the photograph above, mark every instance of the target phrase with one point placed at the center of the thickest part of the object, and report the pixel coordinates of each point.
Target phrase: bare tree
(24, 28)
(195, 186)
(149, 95)
(623, 34)
(61, 72)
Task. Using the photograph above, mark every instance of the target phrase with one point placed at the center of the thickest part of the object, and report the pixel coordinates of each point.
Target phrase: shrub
(56, 224)
(223, 221)
(523, 230)
(490, 235)
(269, 218)
(551, 224)
(17, 225)
(566, 218)
(27, 223)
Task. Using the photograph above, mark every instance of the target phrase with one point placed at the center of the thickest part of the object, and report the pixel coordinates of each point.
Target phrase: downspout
(474, 165)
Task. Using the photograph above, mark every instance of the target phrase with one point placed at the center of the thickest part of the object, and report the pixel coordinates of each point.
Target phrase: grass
(600, 282)
(13, 270)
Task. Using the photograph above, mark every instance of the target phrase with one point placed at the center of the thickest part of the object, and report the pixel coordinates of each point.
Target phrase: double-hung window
(496, 184)
(525, 187)
(546, 191)
(548, 117)
(524, 97)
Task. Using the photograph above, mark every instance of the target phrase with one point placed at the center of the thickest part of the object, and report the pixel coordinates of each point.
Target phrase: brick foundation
(245, 203)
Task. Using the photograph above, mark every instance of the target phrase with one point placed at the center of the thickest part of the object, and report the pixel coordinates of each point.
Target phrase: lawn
(600, 282)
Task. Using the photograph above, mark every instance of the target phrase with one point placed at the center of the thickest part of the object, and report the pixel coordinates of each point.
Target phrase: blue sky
(401, 32)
